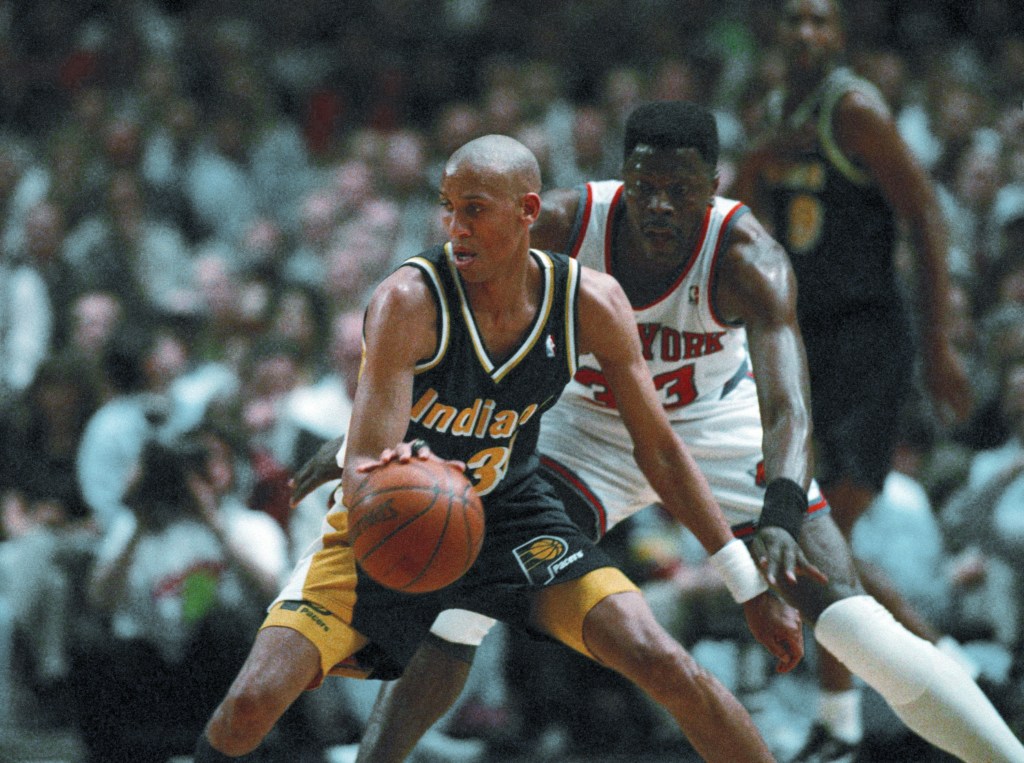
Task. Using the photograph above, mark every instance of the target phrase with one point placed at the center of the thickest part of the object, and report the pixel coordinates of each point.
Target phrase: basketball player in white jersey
(714, 299)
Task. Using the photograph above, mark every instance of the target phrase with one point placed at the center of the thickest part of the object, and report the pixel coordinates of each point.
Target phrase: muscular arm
(867, 133)
(756, 285)
(608, 330)
(399, 331)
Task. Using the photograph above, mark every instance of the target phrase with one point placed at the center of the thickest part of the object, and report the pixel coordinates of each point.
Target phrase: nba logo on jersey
(549, 346)
(694, 295)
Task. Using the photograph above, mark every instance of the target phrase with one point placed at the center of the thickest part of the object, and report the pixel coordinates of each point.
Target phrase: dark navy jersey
(484, 410)
(833, 220)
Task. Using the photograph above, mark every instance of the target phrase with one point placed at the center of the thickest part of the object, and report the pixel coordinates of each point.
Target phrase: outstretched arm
(867, 132)
(756, 286)
(608, 330)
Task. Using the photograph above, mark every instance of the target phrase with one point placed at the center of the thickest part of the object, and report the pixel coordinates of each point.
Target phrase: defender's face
(667, 193)
(811, 36)
(484, 220)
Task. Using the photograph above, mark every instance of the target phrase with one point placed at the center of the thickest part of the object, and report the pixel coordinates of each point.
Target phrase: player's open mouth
(462, 255)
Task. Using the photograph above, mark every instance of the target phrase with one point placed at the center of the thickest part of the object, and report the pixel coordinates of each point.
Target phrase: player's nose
(660, 203)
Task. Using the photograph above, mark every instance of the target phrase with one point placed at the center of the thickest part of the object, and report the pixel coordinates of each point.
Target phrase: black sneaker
(822, 747)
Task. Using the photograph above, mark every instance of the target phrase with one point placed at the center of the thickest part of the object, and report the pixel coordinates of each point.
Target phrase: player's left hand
(778, 627)
(778, 555)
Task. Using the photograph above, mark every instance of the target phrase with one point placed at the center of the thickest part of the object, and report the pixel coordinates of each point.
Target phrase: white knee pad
(864, 636)
(460, 626)
(928, 690)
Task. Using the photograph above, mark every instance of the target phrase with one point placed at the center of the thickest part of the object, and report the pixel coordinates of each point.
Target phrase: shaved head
(499, 156)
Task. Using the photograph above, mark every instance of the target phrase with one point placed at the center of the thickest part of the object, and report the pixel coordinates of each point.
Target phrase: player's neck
(504, 307)
(643, 277)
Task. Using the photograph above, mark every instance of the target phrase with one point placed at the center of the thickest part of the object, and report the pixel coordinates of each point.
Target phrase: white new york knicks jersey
(695, 357)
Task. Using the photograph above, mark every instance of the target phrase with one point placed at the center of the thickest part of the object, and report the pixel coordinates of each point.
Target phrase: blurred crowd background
(196, 197)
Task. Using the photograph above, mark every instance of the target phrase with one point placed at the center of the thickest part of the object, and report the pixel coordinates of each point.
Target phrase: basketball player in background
(487, 321)
(834, 181)
(705, 281)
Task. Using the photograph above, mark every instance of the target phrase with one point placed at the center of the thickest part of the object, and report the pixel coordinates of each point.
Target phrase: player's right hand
(318, 470)
(406, 451)
(778, 627)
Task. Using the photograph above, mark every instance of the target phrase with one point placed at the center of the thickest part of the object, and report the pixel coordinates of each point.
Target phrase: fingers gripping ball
(416, 526)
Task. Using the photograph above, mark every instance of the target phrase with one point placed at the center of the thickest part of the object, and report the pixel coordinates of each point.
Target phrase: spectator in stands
(140, 404)
(180, 581)
(126, 251)
(46, 541)
(26, 324)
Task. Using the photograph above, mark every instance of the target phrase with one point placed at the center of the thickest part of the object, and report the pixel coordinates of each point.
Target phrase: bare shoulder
(403, 290)
(864, 124)
(600, 288)
(754, 272)
(751, 244)
(558, 210)
(863, 103)
(403, 299)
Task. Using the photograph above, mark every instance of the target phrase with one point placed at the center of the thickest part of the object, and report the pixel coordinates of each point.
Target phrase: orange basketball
(416, 526)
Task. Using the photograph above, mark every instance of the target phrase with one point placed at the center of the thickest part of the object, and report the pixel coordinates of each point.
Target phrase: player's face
(811, 35)
(667, 193)
(484, 219)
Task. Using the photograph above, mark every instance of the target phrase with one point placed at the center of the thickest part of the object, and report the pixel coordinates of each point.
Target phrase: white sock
(840, 713)
(930, 692)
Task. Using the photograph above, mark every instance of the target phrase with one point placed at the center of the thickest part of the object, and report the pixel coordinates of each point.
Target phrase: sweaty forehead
(650, 159)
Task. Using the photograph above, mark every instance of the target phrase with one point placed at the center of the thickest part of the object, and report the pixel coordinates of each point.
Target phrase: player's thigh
(333, 638)
(859, 386)
(622, 633)
(562, 610)
(319, 601)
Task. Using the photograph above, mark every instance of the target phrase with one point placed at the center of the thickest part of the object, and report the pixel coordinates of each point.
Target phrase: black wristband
(785, 504)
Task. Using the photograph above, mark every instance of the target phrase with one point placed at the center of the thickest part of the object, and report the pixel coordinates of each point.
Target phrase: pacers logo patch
(544, 557)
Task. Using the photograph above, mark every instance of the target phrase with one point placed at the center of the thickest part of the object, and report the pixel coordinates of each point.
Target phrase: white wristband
(737, 568)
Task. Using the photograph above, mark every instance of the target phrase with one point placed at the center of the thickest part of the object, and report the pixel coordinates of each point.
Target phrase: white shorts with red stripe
(590, 448)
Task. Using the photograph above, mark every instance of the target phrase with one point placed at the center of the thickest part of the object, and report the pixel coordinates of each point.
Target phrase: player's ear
(531, 206)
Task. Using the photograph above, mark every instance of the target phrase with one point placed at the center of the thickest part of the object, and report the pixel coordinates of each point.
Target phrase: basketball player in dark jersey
(471, 342)
(833, 180)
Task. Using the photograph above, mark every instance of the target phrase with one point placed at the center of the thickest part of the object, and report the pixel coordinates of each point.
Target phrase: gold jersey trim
(497, 373)
(442, 305)
(572, 285)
